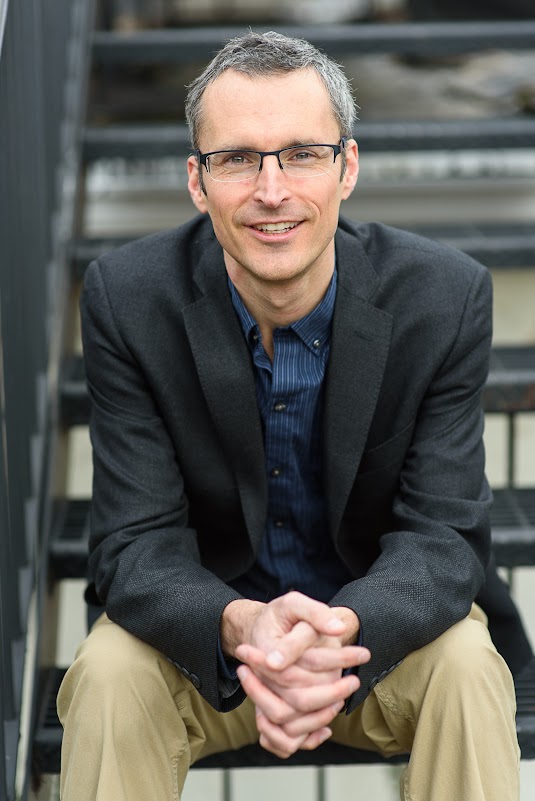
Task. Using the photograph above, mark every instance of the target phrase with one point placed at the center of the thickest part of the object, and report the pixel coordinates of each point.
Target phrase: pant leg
(451, 705)
(133, 724)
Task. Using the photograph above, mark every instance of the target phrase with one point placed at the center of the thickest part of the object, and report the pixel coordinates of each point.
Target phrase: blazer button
(195, 680)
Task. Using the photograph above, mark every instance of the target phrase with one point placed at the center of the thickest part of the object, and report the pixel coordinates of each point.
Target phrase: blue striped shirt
(297, 551)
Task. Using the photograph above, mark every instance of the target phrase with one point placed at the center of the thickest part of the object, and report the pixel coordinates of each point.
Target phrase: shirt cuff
(228, 681)
(354, 670)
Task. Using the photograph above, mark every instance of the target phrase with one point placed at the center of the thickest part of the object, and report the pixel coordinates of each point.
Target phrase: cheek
(224, 209)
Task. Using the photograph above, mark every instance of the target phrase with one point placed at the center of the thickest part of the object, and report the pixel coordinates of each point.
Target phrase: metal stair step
(48, 734)
(510, 387)
(513, 526)
(505, 245)
(164, 140)
(69, 540)
(512, 522)
(186, 45)
(74, 398)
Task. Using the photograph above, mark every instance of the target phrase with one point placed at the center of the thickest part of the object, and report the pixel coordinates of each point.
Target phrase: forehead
(264, 112)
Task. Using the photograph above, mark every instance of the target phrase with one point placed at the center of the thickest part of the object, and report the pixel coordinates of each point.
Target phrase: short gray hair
(260, 54)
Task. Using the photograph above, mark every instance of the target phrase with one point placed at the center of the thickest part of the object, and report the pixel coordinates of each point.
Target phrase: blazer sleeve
(144, 557)
(431, 564)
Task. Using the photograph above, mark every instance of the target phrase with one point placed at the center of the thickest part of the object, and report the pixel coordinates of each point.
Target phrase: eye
(301, 155)
(236, 158)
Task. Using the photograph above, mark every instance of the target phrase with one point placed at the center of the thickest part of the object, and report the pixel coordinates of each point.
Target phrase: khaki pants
(134, 725)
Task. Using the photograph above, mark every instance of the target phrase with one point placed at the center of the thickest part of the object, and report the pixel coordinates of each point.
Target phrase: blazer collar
(360, 343)
(223, 365)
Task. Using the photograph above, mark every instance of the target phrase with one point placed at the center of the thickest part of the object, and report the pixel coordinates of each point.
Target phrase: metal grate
(69, 542)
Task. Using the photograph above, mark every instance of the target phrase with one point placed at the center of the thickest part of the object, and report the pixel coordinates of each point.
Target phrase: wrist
(236, 624)
(351, 622)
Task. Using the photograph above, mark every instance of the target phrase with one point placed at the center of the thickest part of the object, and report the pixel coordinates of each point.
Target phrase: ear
(194, 185)
(349, 181)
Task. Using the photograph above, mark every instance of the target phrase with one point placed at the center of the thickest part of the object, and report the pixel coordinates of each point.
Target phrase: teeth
(282, 226)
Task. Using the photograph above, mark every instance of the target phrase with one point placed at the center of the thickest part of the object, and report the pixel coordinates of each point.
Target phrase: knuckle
(294, 595)
(278, 717)
(302, 706)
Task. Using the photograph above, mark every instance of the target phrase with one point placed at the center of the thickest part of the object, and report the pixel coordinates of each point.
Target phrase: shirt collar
(312, 329)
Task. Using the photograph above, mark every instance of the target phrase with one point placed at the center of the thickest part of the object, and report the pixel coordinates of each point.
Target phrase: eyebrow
(293, 143)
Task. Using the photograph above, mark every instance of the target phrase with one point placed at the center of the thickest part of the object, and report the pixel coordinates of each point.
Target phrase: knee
(110, 656)
(466, 657)
(113, 664)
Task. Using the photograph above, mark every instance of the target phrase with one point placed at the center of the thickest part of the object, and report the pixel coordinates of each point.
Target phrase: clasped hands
(293, 651)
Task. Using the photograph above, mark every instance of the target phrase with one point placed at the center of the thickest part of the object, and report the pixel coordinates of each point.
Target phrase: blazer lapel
(360, 341)
(224, 368)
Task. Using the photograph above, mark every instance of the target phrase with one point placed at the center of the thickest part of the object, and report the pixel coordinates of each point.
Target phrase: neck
(278, 304)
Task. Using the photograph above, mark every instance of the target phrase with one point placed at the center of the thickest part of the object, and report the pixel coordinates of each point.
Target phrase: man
(290, 515)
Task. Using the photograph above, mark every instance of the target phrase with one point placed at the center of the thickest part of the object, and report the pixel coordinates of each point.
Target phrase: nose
(271, 184)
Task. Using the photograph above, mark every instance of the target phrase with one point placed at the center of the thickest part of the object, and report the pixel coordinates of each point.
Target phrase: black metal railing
(41, 75)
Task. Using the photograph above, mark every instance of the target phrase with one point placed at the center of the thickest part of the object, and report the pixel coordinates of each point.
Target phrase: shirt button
(317, 343)
(276, 472)
(279, 523)
(279, 407)
(256, 337)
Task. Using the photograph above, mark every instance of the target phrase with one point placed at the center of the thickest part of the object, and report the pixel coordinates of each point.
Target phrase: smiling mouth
(275, 228)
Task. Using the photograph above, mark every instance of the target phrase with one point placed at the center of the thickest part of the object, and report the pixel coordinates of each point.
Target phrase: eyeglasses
(304, 161)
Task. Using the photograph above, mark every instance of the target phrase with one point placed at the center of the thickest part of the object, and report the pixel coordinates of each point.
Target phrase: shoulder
(144, 285)
(390, 248)
(159, 255)
(408, 266)
(150, 273)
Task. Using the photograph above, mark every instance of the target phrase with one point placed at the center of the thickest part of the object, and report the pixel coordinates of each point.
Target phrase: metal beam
(159, 141)
(186, 45)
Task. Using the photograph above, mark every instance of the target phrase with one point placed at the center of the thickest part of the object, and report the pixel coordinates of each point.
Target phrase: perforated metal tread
(513, 526)
(161, 141)
(186, 45)
(48, 734)
(69, 540)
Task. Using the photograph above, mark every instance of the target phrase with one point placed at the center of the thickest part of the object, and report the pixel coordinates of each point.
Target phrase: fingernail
(275, 658)
(242, 672)
(325, 736)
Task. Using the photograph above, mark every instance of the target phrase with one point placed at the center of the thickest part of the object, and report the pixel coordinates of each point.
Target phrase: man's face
(267, 114)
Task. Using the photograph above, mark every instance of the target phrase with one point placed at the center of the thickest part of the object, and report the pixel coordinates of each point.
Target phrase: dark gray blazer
(179, 477)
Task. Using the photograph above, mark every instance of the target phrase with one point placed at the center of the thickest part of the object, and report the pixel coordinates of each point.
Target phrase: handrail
(37, 138)
(3, 17)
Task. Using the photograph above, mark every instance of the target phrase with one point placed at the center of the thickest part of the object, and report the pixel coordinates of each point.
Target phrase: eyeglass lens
(305, 161)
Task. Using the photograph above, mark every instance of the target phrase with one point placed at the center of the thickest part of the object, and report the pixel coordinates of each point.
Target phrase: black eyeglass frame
(202, 157)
